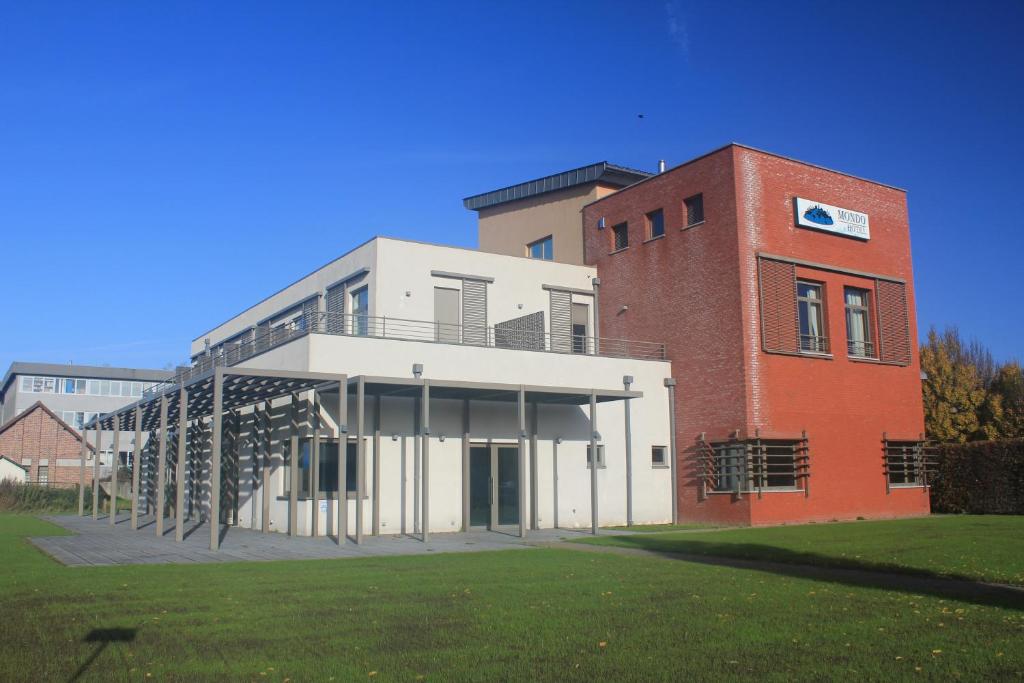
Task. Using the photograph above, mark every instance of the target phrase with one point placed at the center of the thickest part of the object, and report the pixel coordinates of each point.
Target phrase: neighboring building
(75, 393)
(47, 448)
(12, 471)
(541, 218)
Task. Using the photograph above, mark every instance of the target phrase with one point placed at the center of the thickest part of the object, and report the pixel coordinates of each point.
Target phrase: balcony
(501, 336)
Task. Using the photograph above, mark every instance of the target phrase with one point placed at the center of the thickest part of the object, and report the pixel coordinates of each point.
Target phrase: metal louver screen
(779, 324)
(893, 322)
(309, 307)
(561, 321)
(335, 309)
(262, 336)
(474, 312)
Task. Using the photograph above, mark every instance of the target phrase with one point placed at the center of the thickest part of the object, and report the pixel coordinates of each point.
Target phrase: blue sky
(164, 165)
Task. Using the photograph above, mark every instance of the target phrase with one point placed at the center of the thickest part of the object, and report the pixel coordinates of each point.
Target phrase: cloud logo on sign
(818, 215)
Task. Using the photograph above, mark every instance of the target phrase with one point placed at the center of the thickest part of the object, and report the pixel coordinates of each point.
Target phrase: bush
(18, 497)
(980, 477)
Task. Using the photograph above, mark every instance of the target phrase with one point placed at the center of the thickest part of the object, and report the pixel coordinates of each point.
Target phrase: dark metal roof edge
(590, 173)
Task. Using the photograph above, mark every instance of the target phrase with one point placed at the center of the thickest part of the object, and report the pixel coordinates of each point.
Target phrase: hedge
(980, 477)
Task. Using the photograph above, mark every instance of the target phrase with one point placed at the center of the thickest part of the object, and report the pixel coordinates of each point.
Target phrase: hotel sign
(818, 216)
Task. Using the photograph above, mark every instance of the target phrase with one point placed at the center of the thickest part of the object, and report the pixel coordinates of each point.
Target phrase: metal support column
(179, 498)
(265, 427)
(670, 384)
(215, 444)
(376, 466)
(81, 476)
(534, 475)
(465, 465)
(136, 466)
(594, 460)
(342, 459)
(161, 468)
(521, 415)
(627, 380)
(293, 468)
(313, 422)
(425, 468)
(114, 469)
(360, 455)
(554, 478)
(96, 473)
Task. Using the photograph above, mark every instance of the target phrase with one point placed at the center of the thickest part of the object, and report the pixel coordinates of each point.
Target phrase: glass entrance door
(508, 484)
(480, 486)
(493, 486)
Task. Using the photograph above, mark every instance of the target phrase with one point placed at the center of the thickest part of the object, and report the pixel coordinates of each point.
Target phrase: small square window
(542, 249)
(694, 209)
(655, 224)
(620, 235)
(659, 456)
(600, 457)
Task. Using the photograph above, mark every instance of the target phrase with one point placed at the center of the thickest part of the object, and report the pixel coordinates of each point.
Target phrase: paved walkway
(94, 542)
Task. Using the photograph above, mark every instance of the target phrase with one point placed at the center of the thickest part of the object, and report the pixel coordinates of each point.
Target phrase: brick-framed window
(810, 301)
(655, 224)
(620, 236)
(860, 341)
(694, 210)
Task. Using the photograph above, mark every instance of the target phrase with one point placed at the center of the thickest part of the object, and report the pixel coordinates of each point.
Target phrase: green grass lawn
(542, 614)
(985, 548)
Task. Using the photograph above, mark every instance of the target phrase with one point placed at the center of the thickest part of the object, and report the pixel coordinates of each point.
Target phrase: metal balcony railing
(861, 349)
(347, 324)
(814, 344)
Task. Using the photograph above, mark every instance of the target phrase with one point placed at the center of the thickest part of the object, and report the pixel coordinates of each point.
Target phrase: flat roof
(89, 371)
(602, 171)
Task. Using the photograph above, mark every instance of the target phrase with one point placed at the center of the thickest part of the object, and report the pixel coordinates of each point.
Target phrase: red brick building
(784, 292)
(48, 447)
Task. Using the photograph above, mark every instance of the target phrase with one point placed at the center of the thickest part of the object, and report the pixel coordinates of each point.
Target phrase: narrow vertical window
(858, 323)
(361, 312)
(580, 335)
(620, 236)
(655, 224)
(694, 209)
(812, 317)
(542, 249)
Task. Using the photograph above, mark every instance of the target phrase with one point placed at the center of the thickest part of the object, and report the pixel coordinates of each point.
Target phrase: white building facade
(475, 384)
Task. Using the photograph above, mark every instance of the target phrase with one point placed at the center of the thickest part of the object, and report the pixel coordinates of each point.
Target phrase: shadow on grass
(102, 637)
(815, 566)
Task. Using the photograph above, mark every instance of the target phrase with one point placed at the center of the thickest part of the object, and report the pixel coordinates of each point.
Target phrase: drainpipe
(627, 380)
(670, 384)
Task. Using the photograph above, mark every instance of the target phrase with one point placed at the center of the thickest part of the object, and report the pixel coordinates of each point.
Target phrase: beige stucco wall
(508, 228)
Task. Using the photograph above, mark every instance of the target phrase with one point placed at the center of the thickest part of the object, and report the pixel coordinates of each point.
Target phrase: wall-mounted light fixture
(600, 223)
(441, 438)
(558, 440)
(394, 437)
(417, 370)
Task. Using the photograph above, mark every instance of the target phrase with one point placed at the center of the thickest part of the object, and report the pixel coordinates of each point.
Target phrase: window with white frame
(659, 456)
(361, 312)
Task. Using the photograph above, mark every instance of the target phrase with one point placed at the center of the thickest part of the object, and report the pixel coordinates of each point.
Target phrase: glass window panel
(104, 387)
(656, 220)
(94, 387)
(26, 383)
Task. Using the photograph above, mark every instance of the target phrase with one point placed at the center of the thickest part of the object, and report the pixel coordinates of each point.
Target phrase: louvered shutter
(309, 317)
(262, 336)
(474, 312)
(779, 323)
(336, 309)
(893, 322)
(561, 321)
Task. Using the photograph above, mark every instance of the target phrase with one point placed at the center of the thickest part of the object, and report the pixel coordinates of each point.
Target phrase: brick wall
(37, 436)
(696, 289)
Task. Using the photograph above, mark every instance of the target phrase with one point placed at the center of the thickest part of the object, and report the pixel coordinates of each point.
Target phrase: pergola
(230, 389)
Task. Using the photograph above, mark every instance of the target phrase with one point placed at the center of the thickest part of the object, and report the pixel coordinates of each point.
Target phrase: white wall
(493, 422)
(11, 471)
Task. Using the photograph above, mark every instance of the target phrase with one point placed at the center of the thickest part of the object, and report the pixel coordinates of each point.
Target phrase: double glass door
(493, 486)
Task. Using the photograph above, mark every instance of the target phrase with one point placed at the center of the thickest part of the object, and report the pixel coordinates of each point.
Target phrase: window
(328, 482)
(74, 418)
(858, 323)
(757, 464)
(655, 224)
(729, 464)
(810, 307)
(600, 457)
(659, 456)
(39, 385)
(909, 463)
(620, 235)
(694, 209)
(43, 474)
(580, 335)
(446, 315)
(361, 312)
(541, 249)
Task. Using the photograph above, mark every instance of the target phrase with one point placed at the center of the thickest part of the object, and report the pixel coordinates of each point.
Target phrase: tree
(1008, 386)
(953, 395)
